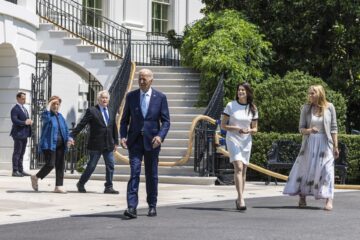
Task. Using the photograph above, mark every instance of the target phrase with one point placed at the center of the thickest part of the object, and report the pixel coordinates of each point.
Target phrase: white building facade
(22, 38)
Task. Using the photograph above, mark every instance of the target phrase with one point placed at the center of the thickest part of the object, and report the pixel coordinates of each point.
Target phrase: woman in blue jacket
(53, 144)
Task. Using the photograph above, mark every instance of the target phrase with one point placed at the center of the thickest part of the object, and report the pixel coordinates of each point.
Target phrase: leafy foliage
(225, 42)
(279, 101)
(318, 37)
(262, 144)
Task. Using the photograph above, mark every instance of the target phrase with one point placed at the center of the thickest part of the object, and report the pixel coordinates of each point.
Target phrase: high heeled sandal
(238, 207)
(302, 202)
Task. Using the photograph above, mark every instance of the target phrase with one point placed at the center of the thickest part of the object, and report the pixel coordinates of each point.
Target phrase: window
(92, 11)
(160, 19)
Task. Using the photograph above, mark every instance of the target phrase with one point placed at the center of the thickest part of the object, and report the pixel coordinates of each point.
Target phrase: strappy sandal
(302, 202)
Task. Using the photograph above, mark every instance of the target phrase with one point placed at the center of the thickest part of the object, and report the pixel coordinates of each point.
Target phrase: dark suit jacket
(132, 121)
(102, 137)
(19, 130)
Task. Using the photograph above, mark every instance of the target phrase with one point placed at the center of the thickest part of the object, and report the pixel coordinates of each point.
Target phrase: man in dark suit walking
(20, 131)
(144, 125)
(103, 141)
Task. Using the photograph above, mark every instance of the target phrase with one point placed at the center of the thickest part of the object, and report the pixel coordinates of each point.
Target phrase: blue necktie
(106, 116)
(25, 111)
(143, 104)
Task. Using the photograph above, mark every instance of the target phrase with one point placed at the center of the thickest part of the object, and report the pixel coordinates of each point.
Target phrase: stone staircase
(181, 86)
(69, 51)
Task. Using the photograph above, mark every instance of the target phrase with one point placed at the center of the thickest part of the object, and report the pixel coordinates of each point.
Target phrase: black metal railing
(12, 1)
(119, 86)
(154, 53)
(71, 16)
(41, 84)
(205, 148)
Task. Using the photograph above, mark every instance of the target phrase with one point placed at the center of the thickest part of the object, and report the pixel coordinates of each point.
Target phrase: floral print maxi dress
(313, 170)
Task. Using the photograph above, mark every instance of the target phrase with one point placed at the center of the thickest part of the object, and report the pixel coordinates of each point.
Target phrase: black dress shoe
(80, 188)
(110, 190)
(25, 174)
(152, 212)
(130, 213)
(17, 174)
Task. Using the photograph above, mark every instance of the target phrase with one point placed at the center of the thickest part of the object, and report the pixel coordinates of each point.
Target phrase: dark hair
(249, 96)
(18, 95)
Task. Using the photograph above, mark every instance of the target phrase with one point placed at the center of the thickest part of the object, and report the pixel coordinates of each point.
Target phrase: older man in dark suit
(144, 126)
(103, 141)
(20, 131)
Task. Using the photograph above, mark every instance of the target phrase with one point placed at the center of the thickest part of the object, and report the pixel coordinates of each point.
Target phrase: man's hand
(28, 122)
(156, 142)
(123, 143)
(115, 147)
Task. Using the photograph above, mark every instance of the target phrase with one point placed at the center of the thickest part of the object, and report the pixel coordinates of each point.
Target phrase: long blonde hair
(322, 103)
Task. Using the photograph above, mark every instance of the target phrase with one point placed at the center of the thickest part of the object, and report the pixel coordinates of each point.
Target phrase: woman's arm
(254, 127)
(224, 124)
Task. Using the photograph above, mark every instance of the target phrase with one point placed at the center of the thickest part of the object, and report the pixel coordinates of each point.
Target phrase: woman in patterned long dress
(239, 119)
(313, 170)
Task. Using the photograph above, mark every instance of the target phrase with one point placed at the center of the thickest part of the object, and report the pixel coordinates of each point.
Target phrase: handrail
(69, 15)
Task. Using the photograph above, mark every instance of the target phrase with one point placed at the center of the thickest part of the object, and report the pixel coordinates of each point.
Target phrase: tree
(279, 101)
(224, 42)
(318, 37)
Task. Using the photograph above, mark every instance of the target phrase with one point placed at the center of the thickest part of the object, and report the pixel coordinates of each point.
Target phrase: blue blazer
(19, 130)
(132, 121)
(50, 129)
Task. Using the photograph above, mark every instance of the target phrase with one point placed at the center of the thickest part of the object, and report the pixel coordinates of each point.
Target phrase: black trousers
(54, 159)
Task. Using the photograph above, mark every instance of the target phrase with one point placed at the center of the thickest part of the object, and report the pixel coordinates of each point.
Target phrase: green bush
(279, 101)
(224, 42)
(262, 144)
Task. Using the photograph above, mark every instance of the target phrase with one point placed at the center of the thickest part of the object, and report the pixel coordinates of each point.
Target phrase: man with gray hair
(103, 141)
(144, 125)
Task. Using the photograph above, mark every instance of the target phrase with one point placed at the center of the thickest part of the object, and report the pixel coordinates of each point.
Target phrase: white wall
(136, 14)
(18, 25)
(67, 84)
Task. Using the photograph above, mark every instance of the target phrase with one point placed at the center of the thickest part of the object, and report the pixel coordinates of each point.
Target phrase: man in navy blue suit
(20, 131)
(144, 125)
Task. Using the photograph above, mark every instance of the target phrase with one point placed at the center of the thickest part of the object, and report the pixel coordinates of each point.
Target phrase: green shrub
(225, 42)
(262, 144)
(279, 101)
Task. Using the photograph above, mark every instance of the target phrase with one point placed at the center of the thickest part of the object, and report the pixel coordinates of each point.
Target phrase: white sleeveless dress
(239, 145)
(313, 170)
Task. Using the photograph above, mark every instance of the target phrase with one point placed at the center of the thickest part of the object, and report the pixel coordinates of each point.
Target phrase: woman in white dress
(313, 170)
(239, 119)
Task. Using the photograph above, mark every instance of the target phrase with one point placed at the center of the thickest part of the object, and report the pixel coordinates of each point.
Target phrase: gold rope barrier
(185, 159)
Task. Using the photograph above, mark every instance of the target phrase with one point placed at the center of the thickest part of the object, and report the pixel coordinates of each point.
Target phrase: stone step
(46, 26)
(159, 69)
(191, 180)
(175, 142)
(58, 33)
(170, 171)
(72, 41)
(188, 110)
(183, 117)
(183, 134)
(181, 82)
(113, 62)
(181, 103)
(166, 151)
(173, 88)
(85, 48)
(181, 95)
(99, 55)
(180, 126)
(173, 75)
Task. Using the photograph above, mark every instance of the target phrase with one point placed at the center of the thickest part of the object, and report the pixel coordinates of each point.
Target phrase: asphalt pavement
(275, 217)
